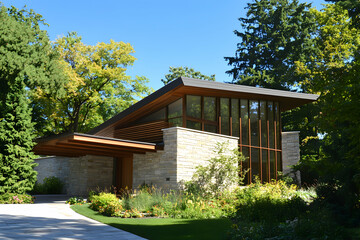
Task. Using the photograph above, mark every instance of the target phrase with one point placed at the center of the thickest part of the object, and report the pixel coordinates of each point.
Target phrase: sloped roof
(181, 86)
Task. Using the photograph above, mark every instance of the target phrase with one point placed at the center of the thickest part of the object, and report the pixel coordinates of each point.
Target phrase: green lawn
(163, 228)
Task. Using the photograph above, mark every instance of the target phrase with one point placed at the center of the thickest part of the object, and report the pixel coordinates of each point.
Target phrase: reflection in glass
(255, 162)
(279, 162)
(210, 128)
(175, 109)
(244, 121)
(263, 124)
(193, 125)
(271, 124)
(210, 108)
(265, 167)
(254, 117)
(235, 117)
(158, 115)
(176, 122)
(272, 164)
(277, 119)
(193, 106)
(225, 116)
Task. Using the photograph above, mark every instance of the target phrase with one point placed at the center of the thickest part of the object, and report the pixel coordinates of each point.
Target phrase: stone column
(290, 153)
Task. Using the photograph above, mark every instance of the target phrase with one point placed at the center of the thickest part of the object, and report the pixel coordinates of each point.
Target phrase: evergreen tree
(27, 63)
(176, 72)
(276, 34)
(16, 141)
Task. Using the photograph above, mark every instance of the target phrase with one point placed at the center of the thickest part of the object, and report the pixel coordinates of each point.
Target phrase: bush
(107, 204)
(221, 173)
(75, 201)
(50, 185)
(14, 198)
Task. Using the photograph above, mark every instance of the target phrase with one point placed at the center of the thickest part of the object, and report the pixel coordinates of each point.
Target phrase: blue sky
(197, 33)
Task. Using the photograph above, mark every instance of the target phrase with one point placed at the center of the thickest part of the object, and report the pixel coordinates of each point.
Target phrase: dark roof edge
(247, 89)
(172, 85)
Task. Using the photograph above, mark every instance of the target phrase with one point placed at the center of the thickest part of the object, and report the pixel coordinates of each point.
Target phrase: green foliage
(97, 86)
(15, 198)
(219, 174)
(275, 35)
(277, 211)
(75, 200)
(176, 72)
(107, 204)
(50, 185)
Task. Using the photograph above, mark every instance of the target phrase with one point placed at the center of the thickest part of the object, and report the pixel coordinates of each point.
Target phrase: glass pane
(245, 152)
(193, 106)
(210, 108)
(272, 164)
(263, 124)
(176, 122)
(175, 109)
(225, 116)
(279, 162)
(210, 128)
(193, 125)
(265, 168)
(235, 117)
(244, 121)
(254, 121)
(277, 119)
(158, 115)
(271, 124)
(255, 168)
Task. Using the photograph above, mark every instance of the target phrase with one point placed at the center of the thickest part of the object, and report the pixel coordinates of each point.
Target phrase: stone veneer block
(290, 153)
(184, 149)
(78, 174)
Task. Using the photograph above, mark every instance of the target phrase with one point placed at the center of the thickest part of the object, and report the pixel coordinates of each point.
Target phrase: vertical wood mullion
(275, 150)
(268, 145)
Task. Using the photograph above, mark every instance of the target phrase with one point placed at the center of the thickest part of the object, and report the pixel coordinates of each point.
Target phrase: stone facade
(184, 149)
(290, 153)
(78, 174)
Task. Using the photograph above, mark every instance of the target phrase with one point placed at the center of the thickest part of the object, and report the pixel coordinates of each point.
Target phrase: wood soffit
(76, 144)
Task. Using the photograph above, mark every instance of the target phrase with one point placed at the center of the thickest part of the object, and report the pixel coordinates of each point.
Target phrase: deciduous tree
(98, 86)
(176, 72)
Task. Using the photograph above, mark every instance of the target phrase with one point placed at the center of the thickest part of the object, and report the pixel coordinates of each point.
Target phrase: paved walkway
(51, 218)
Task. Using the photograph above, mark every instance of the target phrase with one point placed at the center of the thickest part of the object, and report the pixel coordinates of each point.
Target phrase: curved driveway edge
(53, 221)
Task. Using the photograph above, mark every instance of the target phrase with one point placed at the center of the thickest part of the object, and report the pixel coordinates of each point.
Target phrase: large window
(256, 123)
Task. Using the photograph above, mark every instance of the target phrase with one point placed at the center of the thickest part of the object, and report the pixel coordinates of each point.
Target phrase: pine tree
(17, 172)
(27, 63)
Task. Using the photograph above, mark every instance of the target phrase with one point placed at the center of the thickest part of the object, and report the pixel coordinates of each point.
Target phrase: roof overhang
(181, 86)
(77, 144)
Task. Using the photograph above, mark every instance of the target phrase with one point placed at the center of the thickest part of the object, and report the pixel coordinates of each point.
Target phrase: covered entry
(76, 145)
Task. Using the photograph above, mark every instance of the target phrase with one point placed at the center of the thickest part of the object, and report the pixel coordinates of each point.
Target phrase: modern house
(162, 138)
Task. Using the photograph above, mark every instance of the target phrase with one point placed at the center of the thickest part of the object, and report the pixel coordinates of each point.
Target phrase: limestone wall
(290, 152)
(184, 149)
(79, 174)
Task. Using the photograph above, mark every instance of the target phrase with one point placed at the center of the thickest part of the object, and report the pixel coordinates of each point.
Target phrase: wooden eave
(182, 86)
(77, 144)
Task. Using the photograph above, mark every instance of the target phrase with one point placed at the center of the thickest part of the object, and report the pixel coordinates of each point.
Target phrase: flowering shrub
(75, 200)
(14, 198)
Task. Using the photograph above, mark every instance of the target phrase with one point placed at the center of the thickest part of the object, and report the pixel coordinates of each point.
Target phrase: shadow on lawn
(178, 228)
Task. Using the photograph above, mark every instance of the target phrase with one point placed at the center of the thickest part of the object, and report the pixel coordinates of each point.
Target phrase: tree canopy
(27, 62)
(176, 72)
(97, 87)
(274, 35)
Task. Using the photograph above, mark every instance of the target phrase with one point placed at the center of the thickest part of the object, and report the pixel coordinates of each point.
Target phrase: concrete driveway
(51, 218)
